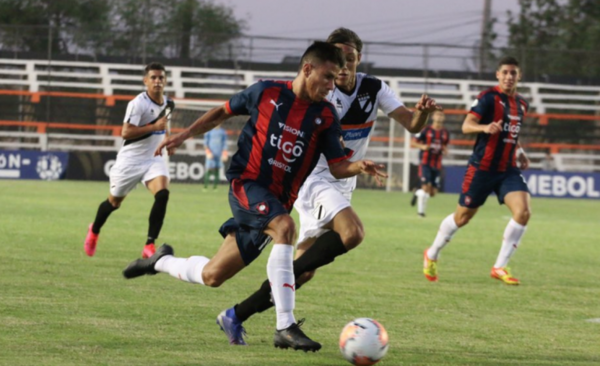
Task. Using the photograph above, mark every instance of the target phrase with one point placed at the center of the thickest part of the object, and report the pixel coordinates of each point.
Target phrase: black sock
(323, 251)
(157, 215)
(104, 210)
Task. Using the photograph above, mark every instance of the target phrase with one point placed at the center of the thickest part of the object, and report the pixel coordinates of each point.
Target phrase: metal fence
(252, 52)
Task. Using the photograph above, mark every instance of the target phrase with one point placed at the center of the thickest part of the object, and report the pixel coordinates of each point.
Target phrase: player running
(290, 125)
(144, 128)
(329, 227)
(433, 143)
(495, 116)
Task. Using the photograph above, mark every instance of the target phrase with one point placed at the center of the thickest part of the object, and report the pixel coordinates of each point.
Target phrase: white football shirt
(358, 113)
(141, 111)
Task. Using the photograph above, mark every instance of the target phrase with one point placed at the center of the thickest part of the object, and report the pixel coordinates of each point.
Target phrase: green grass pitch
(59, 307)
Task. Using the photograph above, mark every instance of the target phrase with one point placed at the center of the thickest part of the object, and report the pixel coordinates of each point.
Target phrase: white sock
(512, 237)
(422, 198)
(443, 237)
(186, 269)
(283, 286)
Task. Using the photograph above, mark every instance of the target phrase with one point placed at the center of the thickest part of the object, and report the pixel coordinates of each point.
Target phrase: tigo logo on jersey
(513, 130)
(290, 150)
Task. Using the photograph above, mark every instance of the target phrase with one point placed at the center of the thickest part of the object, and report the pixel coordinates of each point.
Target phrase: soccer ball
(363, 342)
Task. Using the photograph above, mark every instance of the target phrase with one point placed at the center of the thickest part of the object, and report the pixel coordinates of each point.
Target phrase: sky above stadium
(456, 22)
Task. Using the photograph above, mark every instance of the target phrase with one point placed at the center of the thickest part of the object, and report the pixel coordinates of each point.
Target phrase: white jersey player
(144, 127)
(322, 196)
(329, 226)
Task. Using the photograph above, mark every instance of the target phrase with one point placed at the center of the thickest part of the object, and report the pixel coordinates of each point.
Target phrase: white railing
(186, 82)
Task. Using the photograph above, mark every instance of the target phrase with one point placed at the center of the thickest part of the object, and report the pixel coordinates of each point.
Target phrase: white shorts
(125, 175)
(317, 204)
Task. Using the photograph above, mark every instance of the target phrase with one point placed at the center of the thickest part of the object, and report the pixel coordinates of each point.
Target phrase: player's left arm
(346, 169)
(522, 158)
(415, 121)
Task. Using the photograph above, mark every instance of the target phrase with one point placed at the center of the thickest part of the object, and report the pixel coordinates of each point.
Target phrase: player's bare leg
(447, 229)
(311, 254)
(351, 232)
(104, 210)
(159, 188)
(519, 204)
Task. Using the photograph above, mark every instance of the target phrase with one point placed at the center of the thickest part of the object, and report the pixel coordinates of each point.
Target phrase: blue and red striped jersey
(437, 140)
(281, 142)
(497, 152)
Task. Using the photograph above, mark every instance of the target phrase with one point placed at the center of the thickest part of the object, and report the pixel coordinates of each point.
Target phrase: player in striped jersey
(329, 226)
(433, 143)
(144, 128)
(290, 126)
(496, 117)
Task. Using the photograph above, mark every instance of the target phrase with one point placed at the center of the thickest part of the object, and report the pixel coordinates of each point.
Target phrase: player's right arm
(418, 142)
(481, 107)
(471, 125)
(131, 131)
(207, 122)
(133, 118)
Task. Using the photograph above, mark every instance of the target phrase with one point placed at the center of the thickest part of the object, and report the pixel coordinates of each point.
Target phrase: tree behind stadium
(556, 37)
(184, 29)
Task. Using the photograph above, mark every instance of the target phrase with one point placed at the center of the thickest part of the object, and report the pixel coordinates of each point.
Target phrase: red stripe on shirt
(426, 153)
(265, 112)
(508, 147)
(287, 140)
(312, 148)
(438, 156)
(490, 147)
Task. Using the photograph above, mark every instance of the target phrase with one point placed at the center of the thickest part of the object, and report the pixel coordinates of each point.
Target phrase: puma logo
(276, 105)
(290, 286)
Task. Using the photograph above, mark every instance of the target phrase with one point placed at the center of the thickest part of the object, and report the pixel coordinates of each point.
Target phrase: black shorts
(479, 184)
(429, 175)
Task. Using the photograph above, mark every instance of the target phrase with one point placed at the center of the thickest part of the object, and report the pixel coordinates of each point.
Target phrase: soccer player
(329, 226)
(290, 125)
(433, 143)
(495, 116)
(215, 141)
(145, 124)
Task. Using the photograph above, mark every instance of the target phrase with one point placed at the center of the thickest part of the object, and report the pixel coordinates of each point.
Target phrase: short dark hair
(154, 66)
(508, 60)
(347, 37)
(323, 52)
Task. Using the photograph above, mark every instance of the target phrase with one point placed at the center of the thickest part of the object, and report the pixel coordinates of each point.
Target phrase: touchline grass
(60, 307)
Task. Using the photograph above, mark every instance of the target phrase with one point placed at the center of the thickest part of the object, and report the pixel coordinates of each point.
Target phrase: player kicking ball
(145, 126)
(329, 226)
(290, 126)
(495, 116)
